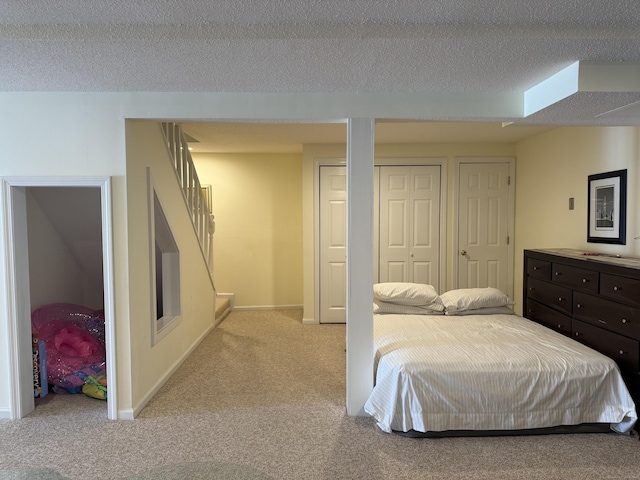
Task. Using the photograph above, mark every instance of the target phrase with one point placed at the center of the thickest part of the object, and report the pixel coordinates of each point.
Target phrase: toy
(40, 383)
(74, 341)
(96, 386)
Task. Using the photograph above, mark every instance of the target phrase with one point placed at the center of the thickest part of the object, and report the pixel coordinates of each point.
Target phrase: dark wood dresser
(594, 298)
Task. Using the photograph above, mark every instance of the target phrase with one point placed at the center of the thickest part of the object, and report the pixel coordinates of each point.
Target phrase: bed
(481, 368)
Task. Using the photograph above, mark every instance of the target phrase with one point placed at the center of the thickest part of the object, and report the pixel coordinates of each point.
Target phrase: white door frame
(18, 305)
(511, 215)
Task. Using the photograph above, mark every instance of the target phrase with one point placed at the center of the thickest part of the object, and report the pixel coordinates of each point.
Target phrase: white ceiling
(220, 137)
(457, 48)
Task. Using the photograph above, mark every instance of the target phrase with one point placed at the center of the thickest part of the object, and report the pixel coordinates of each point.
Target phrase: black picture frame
(607, 208)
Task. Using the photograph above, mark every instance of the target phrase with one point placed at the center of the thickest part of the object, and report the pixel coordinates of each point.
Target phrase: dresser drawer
(548, 317)
(626, 290)
(539, 268)
(623, 350)
(576, 278)
(607, 314)
(550, 294)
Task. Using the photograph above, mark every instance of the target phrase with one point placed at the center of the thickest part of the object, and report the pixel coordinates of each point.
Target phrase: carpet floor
(263, 397)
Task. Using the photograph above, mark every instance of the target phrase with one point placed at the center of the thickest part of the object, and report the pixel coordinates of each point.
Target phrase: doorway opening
(60, 252)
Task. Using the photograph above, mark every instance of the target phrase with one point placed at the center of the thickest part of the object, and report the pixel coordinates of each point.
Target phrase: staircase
(223, 308)
(198, 202)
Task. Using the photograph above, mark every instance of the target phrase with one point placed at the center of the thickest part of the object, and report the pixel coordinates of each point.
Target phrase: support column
(360, 161)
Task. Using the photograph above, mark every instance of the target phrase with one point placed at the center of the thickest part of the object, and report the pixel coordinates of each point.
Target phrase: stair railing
(195, 200)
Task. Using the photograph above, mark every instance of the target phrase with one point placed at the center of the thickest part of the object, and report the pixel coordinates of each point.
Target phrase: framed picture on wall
(607, 207)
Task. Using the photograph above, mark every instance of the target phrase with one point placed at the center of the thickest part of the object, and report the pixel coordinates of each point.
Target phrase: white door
(484, 225)
(410, 224)
(333, 224)
(409, 215)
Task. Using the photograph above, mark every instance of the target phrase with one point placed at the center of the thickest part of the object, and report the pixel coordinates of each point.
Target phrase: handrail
(197, 206)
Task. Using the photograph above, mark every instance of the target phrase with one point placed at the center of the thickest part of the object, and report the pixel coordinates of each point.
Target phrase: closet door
(333, 251)
(406, 231)
(333, 234)
(409, 248)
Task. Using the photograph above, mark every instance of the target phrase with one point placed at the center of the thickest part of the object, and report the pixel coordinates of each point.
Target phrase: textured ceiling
(190, 12)
(321, 46)
(307, 46)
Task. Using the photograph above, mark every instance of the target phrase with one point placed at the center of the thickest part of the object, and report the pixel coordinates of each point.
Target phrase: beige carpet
(263, 398)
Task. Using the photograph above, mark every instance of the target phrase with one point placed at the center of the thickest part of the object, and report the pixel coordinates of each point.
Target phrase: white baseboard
(126, 414)
(5, 414)
(310, 321)
(269, 307)
(130, 414)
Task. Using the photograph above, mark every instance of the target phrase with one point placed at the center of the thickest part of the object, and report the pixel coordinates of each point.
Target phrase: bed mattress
(436, 373)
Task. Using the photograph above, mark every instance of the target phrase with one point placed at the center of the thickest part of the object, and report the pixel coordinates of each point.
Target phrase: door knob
(463, 252)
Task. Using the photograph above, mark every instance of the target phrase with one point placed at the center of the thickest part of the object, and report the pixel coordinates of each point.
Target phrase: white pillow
(405, 293)
(380, 307)
(474, 298)
(506, 310)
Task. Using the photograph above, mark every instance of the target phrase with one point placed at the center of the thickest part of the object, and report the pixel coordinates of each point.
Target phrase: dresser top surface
(623, 261)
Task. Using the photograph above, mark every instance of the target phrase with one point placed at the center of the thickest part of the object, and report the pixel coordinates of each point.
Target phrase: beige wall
(550, 168)
(35, 131)
(55, 275)
(257, 203)
(150, 365)
(554, 166)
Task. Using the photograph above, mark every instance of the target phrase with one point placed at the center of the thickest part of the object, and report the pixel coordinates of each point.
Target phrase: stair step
(223, 304)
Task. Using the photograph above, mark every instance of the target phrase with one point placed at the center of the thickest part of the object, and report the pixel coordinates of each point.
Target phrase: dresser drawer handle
(602, 321)
(622, 352)
(624, 320)
(560, 326)
(615, 289)
(577, 334)
(578, 305)
(560, 299)
(585, 280)
(536, 268)
(558, 274)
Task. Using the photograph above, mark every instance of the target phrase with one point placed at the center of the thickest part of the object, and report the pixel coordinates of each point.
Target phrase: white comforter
(489, 372)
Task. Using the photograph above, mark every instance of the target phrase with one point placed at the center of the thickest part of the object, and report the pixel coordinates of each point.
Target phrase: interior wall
(151, 365)
(55, 274)
(554, 166)
(257, 203)
(312, 154)
(72, 133)
(63, 134)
